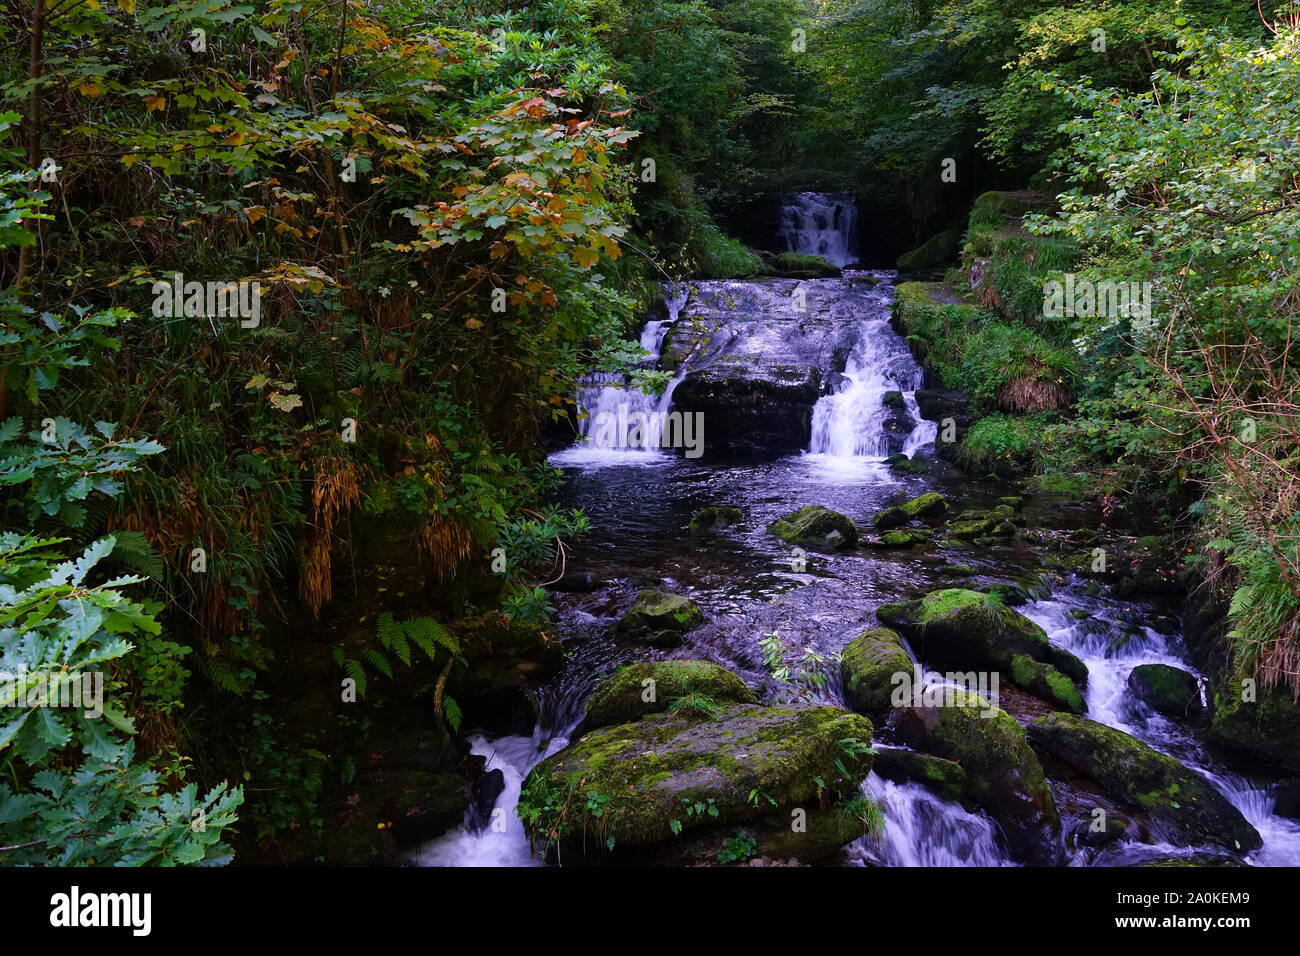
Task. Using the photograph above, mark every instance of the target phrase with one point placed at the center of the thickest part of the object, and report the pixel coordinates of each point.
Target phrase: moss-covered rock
(929, 505)
(890, 518)
(648, 687)
(655, 611)
(868, 666)
(1003, 776)
(1267, 726)
(798, 265)
(894, 400)
(944, 778)
(938, 250)
(716, 516)
(1182, 805)
(960, 628)
(972, 524)
(816, 527)
(901, 464)
(667, 774)
(901, 538)
(1168, 690)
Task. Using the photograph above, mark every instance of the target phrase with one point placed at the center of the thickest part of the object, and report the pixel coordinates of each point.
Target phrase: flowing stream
(746, 585)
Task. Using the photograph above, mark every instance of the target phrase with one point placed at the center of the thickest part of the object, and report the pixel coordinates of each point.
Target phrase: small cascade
(1110, 661)
(854, 421)
(820, 224)
(923, 830)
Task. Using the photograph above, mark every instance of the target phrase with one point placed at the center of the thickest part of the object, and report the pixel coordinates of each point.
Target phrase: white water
(818, 224)
(851, 422)
(1110, 702)
(923, 830)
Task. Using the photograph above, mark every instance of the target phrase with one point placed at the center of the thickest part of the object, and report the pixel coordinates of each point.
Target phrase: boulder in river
(1168, 690)
(817, 527)
(648, 687)
(1003, 776)
(929, 505)
(890, 518)
(798, 265)
(944, 778)
(1184, 808)
(669, 774)
(957, 627)
(1258, 720)
(752, 408)
(716, 516)
(868, 666)
(656, 611)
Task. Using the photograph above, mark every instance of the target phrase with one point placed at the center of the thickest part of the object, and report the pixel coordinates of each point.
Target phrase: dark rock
(487, 787)
(752, 408)
(1168, 690)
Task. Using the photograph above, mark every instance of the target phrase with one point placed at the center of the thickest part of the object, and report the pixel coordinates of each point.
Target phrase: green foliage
(804, 674)
(738, 848)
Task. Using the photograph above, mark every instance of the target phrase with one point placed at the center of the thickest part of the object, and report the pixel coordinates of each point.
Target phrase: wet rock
(487, 787)
(648, 687)
(818, 527)
(867, 668)
(577, 581)
(1287, 799)
(1184, 808)
(901, 538)
(903, 465)
(891, 518)
(1168, 690)
(1003, 776)
(971, 524)
(797, 265)
(658, 611)
(893, 400)
(943, 778)
(960, 628)
(929, 505)
(956, 570)
(667, 775)
(752, 408)
(716, 516)
(1266, 725)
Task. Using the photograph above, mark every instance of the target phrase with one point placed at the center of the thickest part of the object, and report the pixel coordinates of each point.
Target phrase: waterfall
(1110, 662)
(923, 830)
(853, 421)
(820, 224)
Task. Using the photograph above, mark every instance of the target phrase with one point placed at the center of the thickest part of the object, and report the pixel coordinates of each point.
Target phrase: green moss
(701, 685)
(867, 668)
(816, 526)
(927, 505)
(658, 611)
(938, 250)
(716, 516)
(798, 265)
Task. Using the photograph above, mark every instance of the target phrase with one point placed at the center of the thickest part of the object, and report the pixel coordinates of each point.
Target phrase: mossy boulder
(1003, 775)
(960, 628)
(1267, 726)
(816, 527)
(652, 686)
(894, 400)
(868, 666)
(901, 464)
(890, 518)
(1168, 690)
(972, 524)
(938, 250)
(798, 265)
(900, 538)
(667, 774)
(656, 611)
(716, 516)
(944, 778)
(929, 505)
(1183, 807)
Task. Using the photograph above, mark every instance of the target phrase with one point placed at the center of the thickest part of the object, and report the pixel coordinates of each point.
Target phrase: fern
(395, 638)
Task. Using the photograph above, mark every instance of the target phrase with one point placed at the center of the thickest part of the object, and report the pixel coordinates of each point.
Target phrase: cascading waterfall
(853, 422)
(625, 424)
(1109, 702)
(820, 224)
(923, 830)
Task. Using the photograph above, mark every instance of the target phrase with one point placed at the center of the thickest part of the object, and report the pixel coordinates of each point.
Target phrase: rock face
(667, 774)
(752, 408)
(1168, 690)
(1002, 774)
(661, 618)
(939, 405)
(652, 686)
(938, 250)
(868, 666)
(816, 527)
(1268, 726)
(966, 629)
(1184, 808)
(945, 778)
(716, 516)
